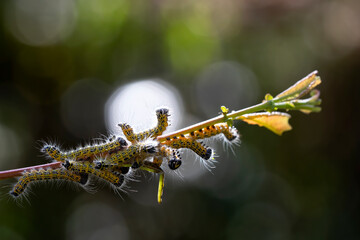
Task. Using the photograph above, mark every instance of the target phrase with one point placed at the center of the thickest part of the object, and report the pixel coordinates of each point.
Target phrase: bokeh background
(71, 69)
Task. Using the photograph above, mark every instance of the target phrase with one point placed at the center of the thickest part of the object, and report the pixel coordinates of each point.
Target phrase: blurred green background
(61, 61)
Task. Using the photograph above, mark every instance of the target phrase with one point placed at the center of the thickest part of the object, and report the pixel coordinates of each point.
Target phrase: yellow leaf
(276, 122)
(305, 111)
(302, 87)
(224, 110)
(268, 97)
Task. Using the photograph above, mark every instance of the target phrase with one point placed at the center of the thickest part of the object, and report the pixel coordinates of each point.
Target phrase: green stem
(219, 119)
(264, 106)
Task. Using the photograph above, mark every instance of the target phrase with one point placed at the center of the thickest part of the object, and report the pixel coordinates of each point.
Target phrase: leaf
(306, 111)
(300, 88)
(224, 110)
(276, 122)
(268, 97)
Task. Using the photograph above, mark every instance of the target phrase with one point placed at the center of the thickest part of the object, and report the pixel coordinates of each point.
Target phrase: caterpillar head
(121, 141)
(66, 164)
(162, 111)
(208, 153)
(150, 147)
(174, 164)
(49, 149)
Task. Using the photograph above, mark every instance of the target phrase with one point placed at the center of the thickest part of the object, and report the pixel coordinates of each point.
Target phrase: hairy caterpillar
(43, 175)
(162, 115)
(230, 133)
(133, 156)
(189, 140)
(114, 178)
(85, 153)
(186, 142)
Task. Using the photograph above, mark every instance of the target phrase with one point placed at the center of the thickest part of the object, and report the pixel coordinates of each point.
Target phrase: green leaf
(268, 97)
(300, 88)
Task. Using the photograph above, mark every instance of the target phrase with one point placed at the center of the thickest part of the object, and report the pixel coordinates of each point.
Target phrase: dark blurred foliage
(302, 185)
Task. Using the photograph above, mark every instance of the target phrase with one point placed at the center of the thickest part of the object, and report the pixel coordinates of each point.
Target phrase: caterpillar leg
(43, 175)
(154, 168)
(116, 179)
(184, 142)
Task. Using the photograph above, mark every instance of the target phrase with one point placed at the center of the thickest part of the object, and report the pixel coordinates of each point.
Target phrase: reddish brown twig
(17, 172)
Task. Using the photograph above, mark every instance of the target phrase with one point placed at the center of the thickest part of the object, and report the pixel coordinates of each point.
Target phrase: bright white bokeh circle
(135, 104)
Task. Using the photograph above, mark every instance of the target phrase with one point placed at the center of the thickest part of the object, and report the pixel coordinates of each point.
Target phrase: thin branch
(218, 119)
(310, 105)
(18, 172)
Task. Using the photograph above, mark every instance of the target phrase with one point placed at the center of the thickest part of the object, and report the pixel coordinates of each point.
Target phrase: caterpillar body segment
(116, 179)
(53, 152)
(230, 133)
(128, 132)
(107, 165)
(162, 115)
(172, 155)
(158, 160)
(43, 175)
(85, 153)
(120, 169)
(184, 142)
(155, 168)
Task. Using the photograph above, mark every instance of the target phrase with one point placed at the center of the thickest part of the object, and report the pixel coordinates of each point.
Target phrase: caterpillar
(172, 155)
(162, 115)
(43, 175)
(85, 153)
(114, 178)
(133, 156)
(186, 142)
(230, 133)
